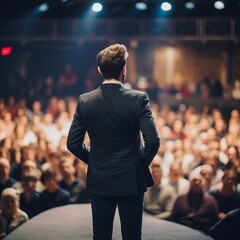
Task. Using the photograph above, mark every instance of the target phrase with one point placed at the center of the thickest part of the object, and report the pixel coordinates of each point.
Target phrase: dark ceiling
(114, 9)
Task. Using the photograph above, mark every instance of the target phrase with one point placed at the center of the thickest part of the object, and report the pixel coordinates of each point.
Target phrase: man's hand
(2, 234)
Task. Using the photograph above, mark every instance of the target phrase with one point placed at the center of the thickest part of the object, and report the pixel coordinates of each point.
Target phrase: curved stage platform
(73, 222)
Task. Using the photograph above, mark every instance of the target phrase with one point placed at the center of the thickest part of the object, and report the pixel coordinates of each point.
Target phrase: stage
(73, 222)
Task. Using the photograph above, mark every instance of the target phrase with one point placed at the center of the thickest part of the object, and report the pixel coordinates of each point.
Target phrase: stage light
(97, 7)
(190, 5)
(43, 7)
(219, 5)
(166, 6)
(6, 51)
(64, 1)
(141, 6)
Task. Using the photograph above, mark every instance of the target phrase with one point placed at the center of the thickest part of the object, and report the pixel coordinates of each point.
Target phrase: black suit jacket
(117, 162)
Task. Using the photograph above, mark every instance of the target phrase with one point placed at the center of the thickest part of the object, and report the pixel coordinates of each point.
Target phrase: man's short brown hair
(111, 60)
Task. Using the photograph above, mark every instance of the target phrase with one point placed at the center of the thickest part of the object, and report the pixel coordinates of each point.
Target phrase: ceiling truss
(75, 30)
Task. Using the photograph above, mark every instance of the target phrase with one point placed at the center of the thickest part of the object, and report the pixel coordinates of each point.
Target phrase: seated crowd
(196, 171)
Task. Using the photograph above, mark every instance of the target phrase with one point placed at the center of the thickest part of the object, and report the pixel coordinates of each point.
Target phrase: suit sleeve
(228, 223)
(149, 132)
(76, 136)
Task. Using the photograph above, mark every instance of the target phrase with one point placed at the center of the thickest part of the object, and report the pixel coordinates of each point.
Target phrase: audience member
(170, 119)
(213, 161)
(162, 128)
(49, 128)
(28, 167)
(52, 106)
(75, 187)
(11, 217)
(29, 198)
(235, 115)
(206, 171)
(235, 92)
(36, 124)
(5, 180)
(53, 195)
(192, 122)
(6, 147)
(27, 153)
(233, 156)
(176, 180)
(220, 127)
(9, 124)
(53, 160)
(187, 158)
(233, 135)
(226, 194)
(177, 130)
(200, 152)
(196, 209)
(167, 157)
(23, 135)
(204, 124)
(159, 199)
(36, 109)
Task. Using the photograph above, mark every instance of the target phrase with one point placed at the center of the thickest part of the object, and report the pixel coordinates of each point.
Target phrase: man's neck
(106, 81)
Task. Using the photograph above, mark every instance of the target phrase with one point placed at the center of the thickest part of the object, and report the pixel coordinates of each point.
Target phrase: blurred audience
(202, 142)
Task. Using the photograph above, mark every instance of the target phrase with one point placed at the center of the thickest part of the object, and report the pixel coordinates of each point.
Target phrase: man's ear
(124, 70)
(99, 70)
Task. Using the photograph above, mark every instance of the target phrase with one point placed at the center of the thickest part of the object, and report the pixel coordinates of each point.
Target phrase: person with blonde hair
(11, 216)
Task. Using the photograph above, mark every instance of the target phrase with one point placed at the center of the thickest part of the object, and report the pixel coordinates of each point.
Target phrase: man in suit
(118, 173)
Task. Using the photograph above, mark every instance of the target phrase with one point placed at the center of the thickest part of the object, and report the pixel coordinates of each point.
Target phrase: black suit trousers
(130, 212)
